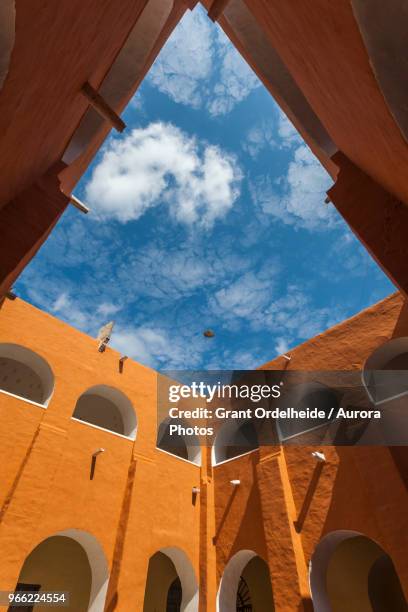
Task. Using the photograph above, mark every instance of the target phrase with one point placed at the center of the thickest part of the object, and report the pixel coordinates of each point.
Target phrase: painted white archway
(166, 566)
(229, 436)
(26, 374)
(227, 591)
(319, 564)
(390, 355)
(193, 451)
(99, 566)
(185, 571)
(324, 398)
(367, 559)
(54, 563)
(7, 36)
(108, 408)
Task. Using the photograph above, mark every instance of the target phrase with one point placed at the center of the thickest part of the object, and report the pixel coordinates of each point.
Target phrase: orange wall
(359, 489)
(49, 481)
(140, 499)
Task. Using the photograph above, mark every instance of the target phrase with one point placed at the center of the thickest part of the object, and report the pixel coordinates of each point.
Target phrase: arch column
(208, 559)
(286, 559)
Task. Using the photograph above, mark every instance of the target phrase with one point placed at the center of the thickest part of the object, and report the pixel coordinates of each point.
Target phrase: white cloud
(199, 67)
(288, 134)
(281, 346)
(234, 360)
(242, 298)
(185, 61)
(106, 309)
(158, 347)
(276, 132)
(166, 273)
(70, 311)
(235, 83)
(297, 198)
(261, 136)
(160, 164)
(293, 316)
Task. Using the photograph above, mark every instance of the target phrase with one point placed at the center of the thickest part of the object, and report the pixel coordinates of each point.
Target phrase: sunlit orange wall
(45, 460)
(140, 499)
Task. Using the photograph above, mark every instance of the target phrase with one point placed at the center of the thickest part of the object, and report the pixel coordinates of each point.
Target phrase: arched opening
(7, 36)
(25, 374)
(174, 596)
(385, 371)
(171, 585)
(235, 438)
(107, 408)
(183, 446)
(71, 561)
(349, 571)
(245, 585)
(301, 397)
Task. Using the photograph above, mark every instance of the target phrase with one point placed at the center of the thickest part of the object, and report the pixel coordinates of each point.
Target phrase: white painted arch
(99, 566)
(99, 569)
(185, 571)
(229, 435)
(296, 396)
(7, 36)
(319, 564)
(193, 450)
(319, 568)
(120, 401)
(394, 351)
(227, 591)
(29, 361)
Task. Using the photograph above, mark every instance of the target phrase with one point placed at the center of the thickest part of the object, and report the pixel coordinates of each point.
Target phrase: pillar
(289, 575)
(208, 562)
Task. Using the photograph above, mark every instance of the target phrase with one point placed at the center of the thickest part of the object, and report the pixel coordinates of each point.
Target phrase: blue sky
(207, 212)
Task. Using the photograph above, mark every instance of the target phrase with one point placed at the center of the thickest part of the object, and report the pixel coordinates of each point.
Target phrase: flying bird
(209, 333)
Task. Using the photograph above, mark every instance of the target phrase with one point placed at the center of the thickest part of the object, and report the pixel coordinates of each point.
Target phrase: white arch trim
(379, 359)
(227, 591)
(193, 451)
(7, 36)
(99, 566)
(122, 403)
(297, 394)
(319, 564)
(36, 363)
(226, 433)
(185, 571)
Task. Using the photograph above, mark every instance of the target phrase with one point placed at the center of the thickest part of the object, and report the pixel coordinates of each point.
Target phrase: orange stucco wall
(140, 500)
(360, 489)
(45, 462)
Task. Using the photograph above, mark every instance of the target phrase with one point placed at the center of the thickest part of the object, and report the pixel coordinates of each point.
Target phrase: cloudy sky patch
(208, 212)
